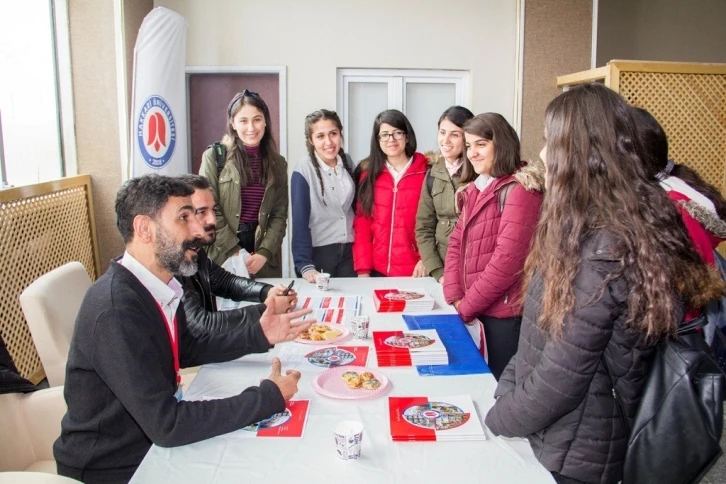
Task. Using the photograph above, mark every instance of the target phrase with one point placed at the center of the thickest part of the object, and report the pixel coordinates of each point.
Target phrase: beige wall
(664, 30)
(96, 106)
(314, 37)
(557, 41)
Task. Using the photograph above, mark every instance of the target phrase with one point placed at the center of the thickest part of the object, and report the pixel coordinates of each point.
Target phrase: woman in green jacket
(250, 188)
(437, 213)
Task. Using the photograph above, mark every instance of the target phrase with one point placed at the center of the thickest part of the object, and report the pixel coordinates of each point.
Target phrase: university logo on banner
(156, 132)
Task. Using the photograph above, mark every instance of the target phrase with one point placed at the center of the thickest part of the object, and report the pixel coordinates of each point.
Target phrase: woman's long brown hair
(596, 182)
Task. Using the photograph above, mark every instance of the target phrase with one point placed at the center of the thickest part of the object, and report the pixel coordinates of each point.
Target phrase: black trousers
(246, 236)
(560, 479)
(335, 259)
(502, 336)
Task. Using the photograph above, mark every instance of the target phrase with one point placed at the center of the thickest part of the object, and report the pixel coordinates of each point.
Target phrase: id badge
(179, 394)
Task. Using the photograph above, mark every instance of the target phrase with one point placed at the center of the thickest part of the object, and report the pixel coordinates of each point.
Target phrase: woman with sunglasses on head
(250, 188)
(322, 193)
(449, 171)
(388, 195)
(488, 247)
(610, 268)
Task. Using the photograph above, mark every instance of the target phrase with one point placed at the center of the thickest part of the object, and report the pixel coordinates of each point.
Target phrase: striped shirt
(252, 194)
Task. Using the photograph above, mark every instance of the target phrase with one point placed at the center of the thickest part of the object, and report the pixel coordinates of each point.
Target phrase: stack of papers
(397, 300)
(464, 357)
(409, 348)
(434, 419)
(330, 310)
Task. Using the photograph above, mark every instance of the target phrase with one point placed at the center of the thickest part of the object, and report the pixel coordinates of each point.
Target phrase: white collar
(455, 165)
(327, 167)
(165, 294)
(393, 170)
(483, 181)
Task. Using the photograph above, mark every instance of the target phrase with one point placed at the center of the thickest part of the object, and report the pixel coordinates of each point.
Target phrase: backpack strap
(220, 155)
(504, 194)
(429, 181)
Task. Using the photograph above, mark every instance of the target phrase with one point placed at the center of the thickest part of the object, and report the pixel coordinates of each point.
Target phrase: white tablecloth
(232, 458)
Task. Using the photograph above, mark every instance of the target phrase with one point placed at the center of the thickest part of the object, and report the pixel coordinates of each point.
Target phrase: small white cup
(359, 326)
(322, 280)
(348, 439)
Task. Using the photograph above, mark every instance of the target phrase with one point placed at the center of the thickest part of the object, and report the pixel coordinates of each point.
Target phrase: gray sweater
(317, 220)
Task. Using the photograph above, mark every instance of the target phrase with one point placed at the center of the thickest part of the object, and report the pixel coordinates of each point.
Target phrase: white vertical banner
(158, 112)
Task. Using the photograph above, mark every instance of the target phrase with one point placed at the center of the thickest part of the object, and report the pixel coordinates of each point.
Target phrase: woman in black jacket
(608, 253)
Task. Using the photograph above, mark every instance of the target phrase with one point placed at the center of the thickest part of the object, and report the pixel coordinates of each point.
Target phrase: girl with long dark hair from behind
(701, 205)
(449, 170)
(610, 269)
(250, 189)
(388, 194)
(322, 192)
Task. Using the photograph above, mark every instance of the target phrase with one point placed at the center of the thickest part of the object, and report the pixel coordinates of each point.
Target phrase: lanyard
(173, 340)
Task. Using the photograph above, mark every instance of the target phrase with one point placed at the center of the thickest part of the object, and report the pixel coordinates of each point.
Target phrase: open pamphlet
(330, 309)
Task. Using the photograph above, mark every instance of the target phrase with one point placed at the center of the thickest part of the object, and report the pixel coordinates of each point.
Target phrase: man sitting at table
(131, 338)
(211, 280)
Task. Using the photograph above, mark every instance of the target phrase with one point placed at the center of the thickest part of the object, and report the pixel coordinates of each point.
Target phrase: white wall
(315, 37)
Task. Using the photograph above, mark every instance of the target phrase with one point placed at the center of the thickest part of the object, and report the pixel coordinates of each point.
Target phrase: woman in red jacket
(488, 247)
(699, 204)
(388, 194)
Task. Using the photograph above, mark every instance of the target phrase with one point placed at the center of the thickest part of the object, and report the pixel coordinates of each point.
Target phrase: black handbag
(675, 434)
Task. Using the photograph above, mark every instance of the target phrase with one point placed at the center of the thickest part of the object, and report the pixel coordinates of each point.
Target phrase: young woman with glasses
(449, 170)
(388, 195)
(488, 247)
(250, 188)
(322, 193)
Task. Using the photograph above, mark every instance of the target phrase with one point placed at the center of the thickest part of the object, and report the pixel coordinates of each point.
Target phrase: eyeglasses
(397, 135)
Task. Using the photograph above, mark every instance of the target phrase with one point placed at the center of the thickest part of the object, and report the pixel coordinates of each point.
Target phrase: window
(30, 135)
(421, 95)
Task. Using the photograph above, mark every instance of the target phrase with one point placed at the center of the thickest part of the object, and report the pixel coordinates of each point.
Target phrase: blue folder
(464, 357)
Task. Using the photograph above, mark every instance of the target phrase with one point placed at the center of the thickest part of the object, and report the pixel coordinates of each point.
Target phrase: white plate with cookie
(323, 334)
(351, 383)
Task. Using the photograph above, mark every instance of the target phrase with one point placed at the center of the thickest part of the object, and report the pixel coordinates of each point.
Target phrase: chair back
(50, 305)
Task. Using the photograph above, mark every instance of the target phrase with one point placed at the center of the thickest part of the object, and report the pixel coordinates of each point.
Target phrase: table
(231, 458)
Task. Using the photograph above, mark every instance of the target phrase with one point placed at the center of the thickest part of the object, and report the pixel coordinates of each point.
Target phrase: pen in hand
(289, 287)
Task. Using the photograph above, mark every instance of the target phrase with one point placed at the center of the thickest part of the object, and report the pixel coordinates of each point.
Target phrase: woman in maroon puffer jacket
(388, 195)
(491, 240)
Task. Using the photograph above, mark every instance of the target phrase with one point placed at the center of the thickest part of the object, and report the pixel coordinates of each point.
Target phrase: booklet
(411, 347)
(398, 300)
(290, 423)
(307, 358)
(449, 418)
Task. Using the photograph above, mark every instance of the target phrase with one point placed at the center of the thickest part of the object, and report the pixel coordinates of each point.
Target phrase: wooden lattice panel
(38, 234)
(692, 110)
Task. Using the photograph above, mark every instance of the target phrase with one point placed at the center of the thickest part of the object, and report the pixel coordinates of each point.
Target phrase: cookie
(371, 384)
(351, 379)
(367, 375)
